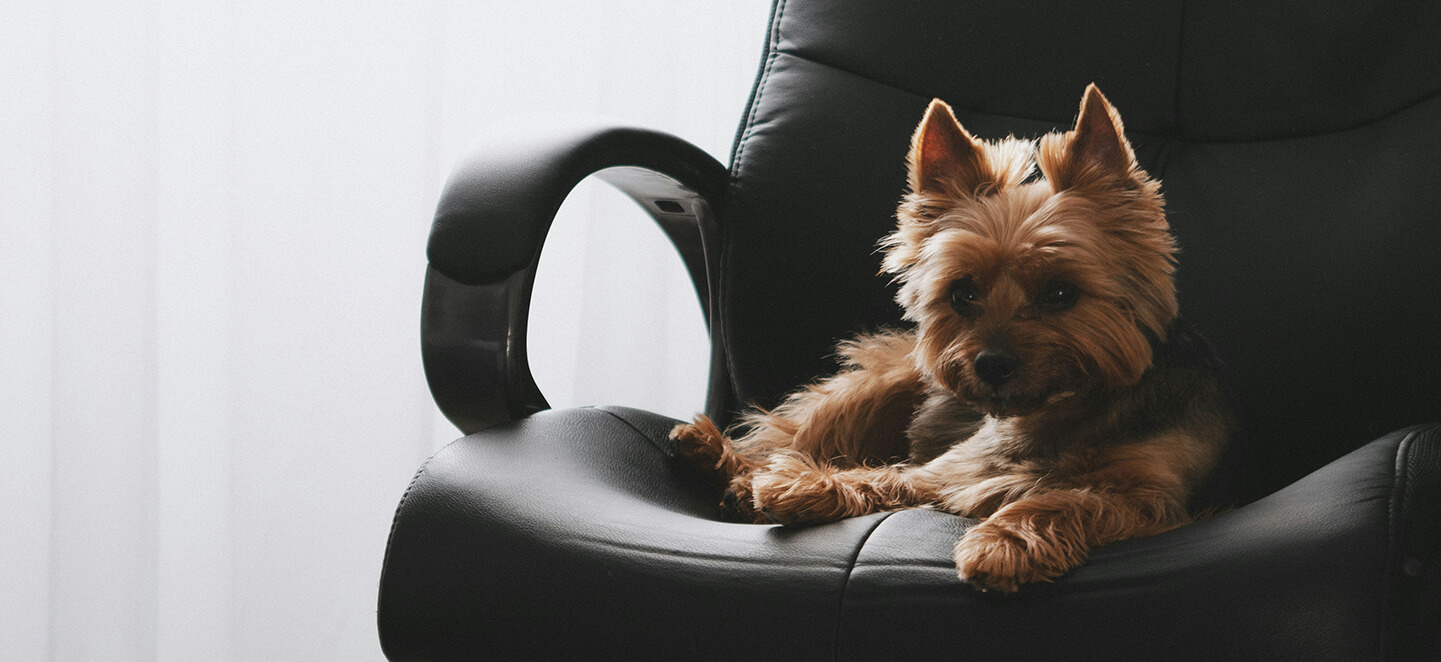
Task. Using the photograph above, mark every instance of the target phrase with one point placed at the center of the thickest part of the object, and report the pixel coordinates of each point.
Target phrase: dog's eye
(1058, 295)
(963, 296)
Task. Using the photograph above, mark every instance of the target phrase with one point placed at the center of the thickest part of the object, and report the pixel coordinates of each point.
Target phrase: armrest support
(486, 240)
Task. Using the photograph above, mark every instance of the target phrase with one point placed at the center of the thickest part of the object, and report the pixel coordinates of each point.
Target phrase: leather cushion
(573, 534)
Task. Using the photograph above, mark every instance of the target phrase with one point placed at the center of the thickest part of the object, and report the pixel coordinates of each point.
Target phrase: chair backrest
(1299, 149)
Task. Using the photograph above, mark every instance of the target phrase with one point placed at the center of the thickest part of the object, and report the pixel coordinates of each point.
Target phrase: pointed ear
(1097, 149)
(944, 158)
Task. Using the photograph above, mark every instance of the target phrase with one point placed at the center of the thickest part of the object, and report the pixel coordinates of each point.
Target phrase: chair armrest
(486, 240)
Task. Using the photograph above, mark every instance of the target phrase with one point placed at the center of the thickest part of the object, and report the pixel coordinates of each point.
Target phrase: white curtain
(212, 229)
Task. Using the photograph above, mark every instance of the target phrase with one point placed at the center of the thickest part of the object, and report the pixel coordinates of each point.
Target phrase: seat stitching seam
(846, 584)
(633, 428)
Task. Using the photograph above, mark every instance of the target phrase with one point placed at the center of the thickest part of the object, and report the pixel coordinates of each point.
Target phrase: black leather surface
(1297, 575)
(1313, 265)
(486, 239)
(573, 535)
(498, 204)
(1414, 607)
(1009, 59)
(1227, 70)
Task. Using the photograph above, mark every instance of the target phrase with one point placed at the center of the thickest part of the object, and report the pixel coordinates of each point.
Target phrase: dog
(1047, 386)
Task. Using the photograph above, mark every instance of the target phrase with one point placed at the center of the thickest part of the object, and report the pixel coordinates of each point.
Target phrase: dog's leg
(856, 417)
(1046, 533)
(795, 489)
(853, 418)
(704, 445)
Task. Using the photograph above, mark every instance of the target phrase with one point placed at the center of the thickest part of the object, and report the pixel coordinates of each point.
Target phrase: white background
(212, 229)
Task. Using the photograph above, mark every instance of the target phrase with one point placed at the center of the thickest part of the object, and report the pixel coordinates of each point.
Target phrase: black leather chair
(1300, 153)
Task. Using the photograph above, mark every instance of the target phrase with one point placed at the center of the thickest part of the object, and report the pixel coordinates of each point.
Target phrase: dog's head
(1027, 290)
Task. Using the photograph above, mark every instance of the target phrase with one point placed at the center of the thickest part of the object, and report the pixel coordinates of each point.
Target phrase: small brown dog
(1047, 387)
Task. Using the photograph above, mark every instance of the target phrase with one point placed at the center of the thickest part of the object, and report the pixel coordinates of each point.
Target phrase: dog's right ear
(1095, 152)
(944, 159)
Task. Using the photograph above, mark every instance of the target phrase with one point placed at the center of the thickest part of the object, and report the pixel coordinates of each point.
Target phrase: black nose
(995, 366)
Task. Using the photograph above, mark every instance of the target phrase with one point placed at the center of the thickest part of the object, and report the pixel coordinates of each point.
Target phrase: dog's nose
(995, 366)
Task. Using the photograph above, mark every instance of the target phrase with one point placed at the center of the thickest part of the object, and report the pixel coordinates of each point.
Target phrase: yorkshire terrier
(1047, 386)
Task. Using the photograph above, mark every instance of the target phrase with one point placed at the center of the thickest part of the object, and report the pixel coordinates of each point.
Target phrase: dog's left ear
(1094, 152)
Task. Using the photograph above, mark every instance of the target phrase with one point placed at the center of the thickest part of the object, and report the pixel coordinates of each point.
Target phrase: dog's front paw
(700, 442)
(794, 489)
(738, 504)
(992, 557)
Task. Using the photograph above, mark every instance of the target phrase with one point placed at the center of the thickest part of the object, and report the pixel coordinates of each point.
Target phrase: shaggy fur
(1047, 386)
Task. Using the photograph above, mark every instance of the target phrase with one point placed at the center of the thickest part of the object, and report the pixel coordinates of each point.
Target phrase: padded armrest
(486, 240)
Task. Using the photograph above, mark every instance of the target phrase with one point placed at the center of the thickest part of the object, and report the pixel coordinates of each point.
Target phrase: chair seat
(577, 531)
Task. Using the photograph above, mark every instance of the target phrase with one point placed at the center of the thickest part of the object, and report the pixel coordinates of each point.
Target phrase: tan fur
(1070, 276)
